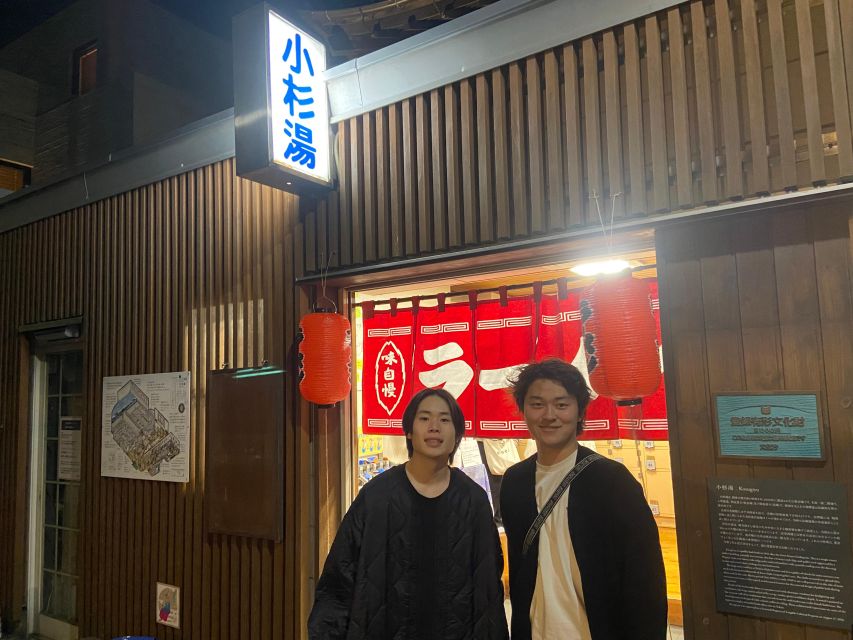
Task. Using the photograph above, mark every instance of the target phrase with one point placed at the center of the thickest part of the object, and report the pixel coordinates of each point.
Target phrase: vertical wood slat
(555, 213)
(574, 164)
(439, 166)
(729, 100)
(502, 160)
(383, 208)
(846, 16)
(840, 98)
(410, 189)
(344, 190)
(592, 141)
(784, 121)
(424, 174)
(681, 127)
(657, 117)
(485, 159)
(395, 155)
(356, 182)
(536, 170)
(371, 242)
(468, 165)
(808, 68)
(634, 121)
(613, 120)
(453, 149)
(518, 144)
(755, 95)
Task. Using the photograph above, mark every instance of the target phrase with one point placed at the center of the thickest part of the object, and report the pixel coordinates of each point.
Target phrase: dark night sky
(19, 16)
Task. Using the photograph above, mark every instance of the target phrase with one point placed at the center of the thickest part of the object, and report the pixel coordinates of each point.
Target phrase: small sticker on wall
(655, 507)
(168, 605)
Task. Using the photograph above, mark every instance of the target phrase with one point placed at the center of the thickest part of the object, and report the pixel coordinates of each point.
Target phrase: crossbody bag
(573, 473)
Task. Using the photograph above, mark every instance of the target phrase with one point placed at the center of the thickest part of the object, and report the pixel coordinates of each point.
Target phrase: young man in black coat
(417, 556)
(595, 571)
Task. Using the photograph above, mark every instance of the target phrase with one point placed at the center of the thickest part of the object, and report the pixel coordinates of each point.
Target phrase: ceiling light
(600, 268)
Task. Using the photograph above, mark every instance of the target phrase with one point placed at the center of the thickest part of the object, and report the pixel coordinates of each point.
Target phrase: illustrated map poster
(782, 550)
(145, 427)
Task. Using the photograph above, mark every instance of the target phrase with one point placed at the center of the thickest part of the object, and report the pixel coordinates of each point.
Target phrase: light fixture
(600, 268)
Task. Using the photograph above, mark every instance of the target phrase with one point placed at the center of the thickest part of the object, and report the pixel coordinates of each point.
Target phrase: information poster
(69, 448)
(145, 433)
(782, 550)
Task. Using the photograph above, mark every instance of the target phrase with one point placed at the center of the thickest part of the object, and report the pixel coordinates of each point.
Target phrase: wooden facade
(757, 302)
(184, 274)
(708, 102)
(705, 103)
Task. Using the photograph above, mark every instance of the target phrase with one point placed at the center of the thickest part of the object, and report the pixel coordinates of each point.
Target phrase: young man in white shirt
(594, 570)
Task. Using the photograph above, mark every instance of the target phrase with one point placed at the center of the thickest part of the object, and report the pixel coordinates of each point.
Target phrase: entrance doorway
(57, 411)
(644, 451)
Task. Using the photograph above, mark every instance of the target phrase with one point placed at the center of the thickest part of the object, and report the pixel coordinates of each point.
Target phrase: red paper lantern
(324, 358)
(620, 338)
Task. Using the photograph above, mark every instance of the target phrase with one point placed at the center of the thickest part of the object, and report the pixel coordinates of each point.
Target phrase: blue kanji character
(300, 149)
(292, 99)
(300, 53)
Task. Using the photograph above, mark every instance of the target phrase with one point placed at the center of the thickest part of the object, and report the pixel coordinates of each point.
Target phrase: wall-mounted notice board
(244, 475)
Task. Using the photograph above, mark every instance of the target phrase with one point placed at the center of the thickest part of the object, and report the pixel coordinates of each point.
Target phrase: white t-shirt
(557, 611)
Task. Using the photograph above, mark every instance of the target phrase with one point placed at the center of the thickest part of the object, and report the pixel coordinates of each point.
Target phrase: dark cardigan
(616, 544)
(367, 587)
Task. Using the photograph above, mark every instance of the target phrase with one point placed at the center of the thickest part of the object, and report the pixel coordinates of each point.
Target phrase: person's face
(432, 433)
(551, 414)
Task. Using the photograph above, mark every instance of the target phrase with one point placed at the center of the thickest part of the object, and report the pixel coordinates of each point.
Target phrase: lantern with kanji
(324, 358)
(620, 339)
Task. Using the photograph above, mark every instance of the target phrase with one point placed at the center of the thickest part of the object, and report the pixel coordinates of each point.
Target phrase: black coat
(616, 544)
(366, 588)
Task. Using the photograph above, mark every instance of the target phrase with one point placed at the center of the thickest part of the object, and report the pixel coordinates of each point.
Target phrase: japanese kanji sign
(472, 351)
(281, 106)
(300, 111)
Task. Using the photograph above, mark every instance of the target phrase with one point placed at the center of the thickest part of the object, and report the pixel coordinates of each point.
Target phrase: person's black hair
(455, 416)
(559, 371)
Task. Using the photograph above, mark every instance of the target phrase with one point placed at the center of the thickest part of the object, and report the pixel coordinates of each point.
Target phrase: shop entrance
(547, 292)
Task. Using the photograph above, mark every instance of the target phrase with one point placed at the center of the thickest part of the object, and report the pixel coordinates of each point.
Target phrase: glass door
(57, 420)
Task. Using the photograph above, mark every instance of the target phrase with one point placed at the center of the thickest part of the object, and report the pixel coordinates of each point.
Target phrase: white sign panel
(145, 432)
(298, 103)
(69, 448)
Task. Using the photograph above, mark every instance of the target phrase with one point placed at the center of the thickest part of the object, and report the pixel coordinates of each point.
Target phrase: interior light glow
(603, 267)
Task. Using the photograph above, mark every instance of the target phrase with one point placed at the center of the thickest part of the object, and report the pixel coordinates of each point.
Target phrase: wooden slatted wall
(758, 303)
(183, 274)
(710, 101)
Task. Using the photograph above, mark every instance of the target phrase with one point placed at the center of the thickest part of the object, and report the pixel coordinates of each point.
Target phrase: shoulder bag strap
(573, 473)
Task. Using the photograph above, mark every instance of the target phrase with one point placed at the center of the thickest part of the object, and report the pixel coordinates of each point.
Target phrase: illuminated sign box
(281, 109)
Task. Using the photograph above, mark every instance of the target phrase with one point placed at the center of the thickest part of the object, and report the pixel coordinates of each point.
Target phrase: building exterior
(100, 77)
(718, 134)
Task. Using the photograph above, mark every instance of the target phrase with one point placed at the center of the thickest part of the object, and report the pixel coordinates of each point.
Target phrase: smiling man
(417, 555)
(585, 561)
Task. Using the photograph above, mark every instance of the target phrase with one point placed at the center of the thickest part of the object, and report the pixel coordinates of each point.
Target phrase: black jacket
(616, 543)
(366, 589)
